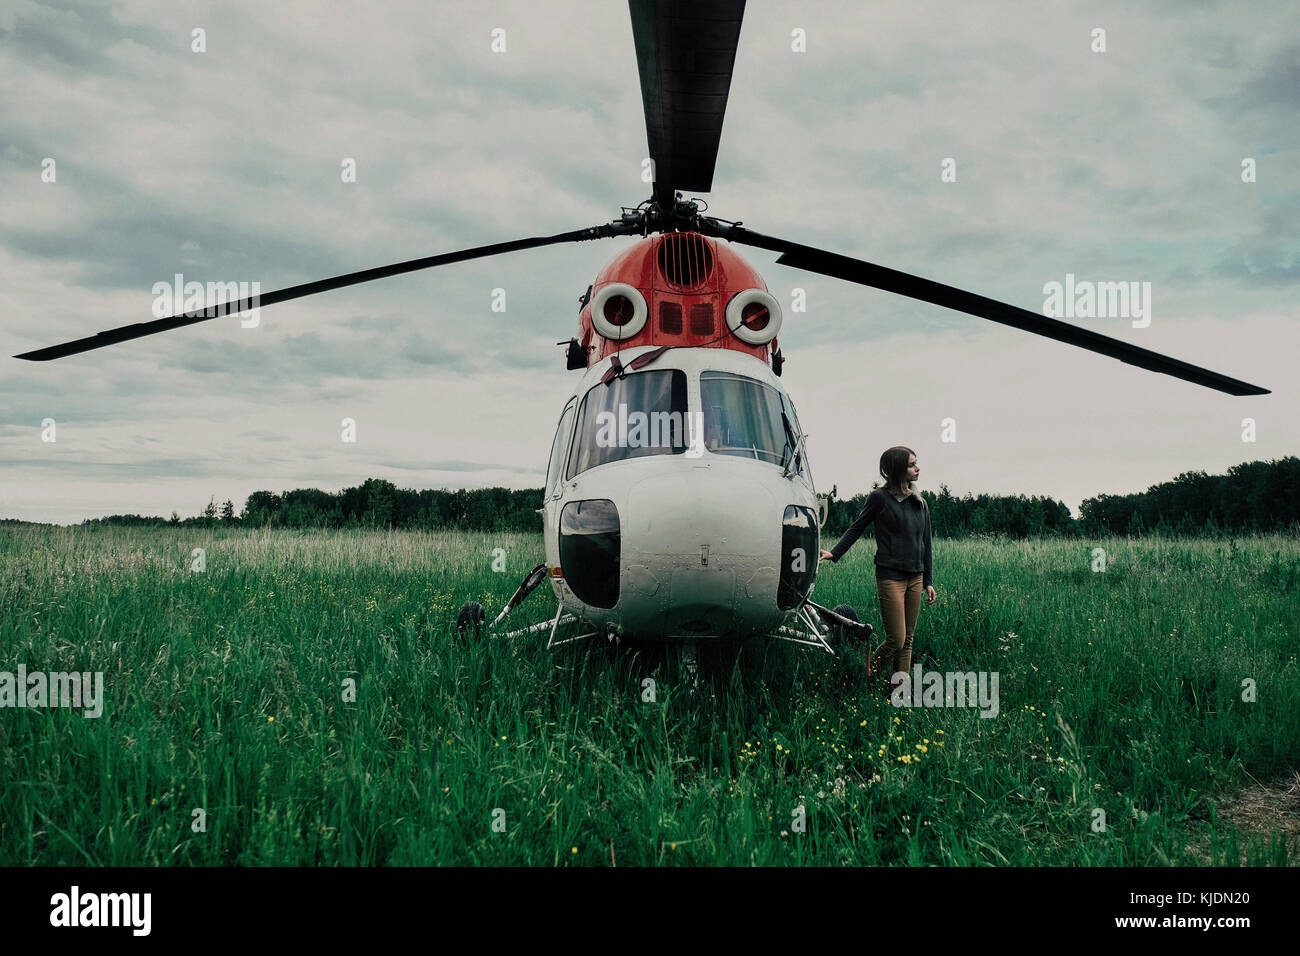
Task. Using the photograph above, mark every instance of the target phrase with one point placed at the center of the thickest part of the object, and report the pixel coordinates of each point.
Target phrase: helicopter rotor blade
(914, 287)
(685, 52)
(141, 329)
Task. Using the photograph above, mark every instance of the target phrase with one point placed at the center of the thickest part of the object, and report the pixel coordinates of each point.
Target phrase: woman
(903, 565)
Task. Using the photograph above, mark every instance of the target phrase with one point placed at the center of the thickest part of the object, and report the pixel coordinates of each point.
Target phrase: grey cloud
(1272, 85)
(92, 469)
(458, 466)
(72, 35)
(1102, 167)
(307, 357)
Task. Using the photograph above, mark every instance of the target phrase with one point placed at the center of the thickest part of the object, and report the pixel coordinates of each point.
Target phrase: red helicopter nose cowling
(680, 289)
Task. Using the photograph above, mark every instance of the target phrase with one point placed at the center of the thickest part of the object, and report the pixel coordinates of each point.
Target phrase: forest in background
(1258, 496)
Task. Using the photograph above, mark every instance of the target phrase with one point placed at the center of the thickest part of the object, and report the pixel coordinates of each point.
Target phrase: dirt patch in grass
(1258, 814)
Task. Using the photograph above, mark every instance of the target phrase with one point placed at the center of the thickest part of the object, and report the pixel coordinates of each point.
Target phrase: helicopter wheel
(839, 631)
(471, 616)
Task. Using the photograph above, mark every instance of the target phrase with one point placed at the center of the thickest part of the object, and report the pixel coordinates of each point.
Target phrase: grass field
(1120, 691)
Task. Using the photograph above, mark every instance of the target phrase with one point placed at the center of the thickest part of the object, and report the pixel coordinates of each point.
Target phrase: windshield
(742, 416)
(642, 414)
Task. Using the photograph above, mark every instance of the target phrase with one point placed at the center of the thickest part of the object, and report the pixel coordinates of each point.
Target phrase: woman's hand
(929, 593)
(827, 556)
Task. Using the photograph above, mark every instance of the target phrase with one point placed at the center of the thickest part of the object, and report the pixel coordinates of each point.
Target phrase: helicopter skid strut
(811, 635)
(809, 617)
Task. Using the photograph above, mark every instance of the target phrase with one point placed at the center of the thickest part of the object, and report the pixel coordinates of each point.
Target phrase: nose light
(798, 556)
(590, 546)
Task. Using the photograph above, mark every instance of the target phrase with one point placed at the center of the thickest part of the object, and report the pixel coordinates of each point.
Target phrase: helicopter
(679, 504)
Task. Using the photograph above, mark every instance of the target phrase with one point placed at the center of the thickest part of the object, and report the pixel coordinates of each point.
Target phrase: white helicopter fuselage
(686, 539)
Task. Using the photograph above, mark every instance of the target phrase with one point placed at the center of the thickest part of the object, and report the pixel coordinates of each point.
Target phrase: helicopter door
(554, 479)
(555, 472)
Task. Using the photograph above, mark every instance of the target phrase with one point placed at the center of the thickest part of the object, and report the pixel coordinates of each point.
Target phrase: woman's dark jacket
(902, 535)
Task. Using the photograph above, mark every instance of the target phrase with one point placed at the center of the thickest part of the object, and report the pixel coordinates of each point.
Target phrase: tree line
(952, 517)
(1252, 496)
(1257, 496)
(376, 503)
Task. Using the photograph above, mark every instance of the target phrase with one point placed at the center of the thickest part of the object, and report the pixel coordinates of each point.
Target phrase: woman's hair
(893, 466)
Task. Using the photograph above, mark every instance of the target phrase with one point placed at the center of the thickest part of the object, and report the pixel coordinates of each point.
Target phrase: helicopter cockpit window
(642, 414)
(742, 417)
(557, 449)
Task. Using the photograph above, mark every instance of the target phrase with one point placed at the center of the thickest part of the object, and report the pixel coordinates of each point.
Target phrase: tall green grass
(1119, 691)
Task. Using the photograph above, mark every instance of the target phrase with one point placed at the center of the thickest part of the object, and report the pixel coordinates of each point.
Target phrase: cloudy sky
(225, 165)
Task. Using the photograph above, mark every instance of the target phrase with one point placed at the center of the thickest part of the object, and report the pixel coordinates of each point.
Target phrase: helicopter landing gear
(819, 623)
(690, 665)
(529, 584)
(471, 616)
(844, 610)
